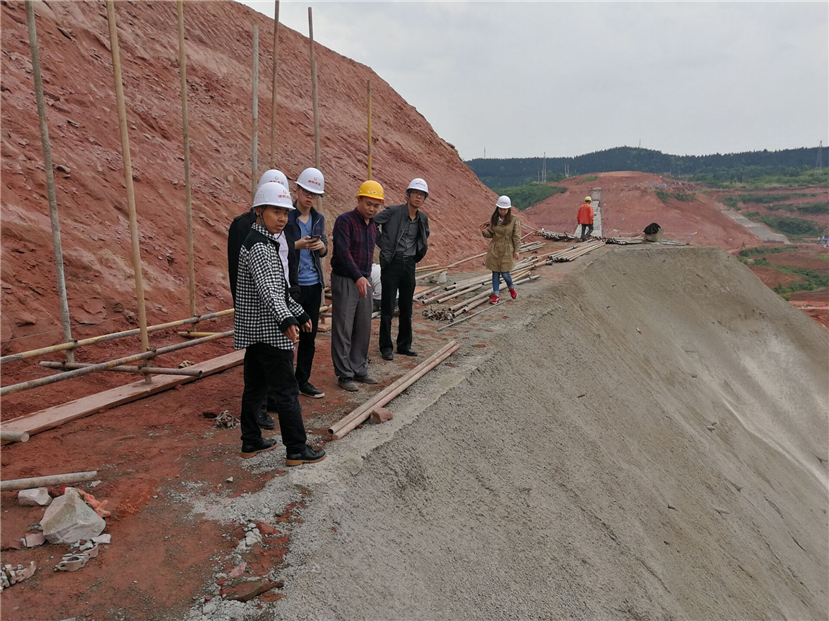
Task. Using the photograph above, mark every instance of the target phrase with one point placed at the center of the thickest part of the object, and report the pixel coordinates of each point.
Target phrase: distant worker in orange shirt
(585, 218)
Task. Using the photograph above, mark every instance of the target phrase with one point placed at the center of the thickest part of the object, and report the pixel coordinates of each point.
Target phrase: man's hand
(363, 286)
(292, 333)
(307, 326)
(309, 243)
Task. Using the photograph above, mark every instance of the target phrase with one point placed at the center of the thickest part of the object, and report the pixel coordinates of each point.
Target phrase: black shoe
(249, 450)
(407, 352)
(365, 379)
(387, 355)
(346, 383)
(308, 389)
(306, 455)
(265, 421)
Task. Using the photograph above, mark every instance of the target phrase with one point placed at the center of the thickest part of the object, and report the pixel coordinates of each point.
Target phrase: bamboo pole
(123, 368)
(315, 102)
(188, 189)
(314, 93)
(125, 148)
(478, 302)
(13, 436)
(195, 335)
(48, 481)
(274, 82)
(254, 131)
(350, 421)
(57, 247)
(110, 337)
(456, 263)
(368, 100)
(103, 366)
(468, 317)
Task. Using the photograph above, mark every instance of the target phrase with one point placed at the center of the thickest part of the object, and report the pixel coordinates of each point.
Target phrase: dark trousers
(397, 276)
(586, 231)
(269, 369)
(310, 298)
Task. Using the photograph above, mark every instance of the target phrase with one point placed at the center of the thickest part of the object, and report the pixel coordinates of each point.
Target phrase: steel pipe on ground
(47, 481)
(13, 436)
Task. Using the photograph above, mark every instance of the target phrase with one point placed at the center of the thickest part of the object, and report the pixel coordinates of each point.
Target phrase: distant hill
(500, 173)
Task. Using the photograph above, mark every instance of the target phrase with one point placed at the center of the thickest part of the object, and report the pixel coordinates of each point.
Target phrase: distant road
(760, 230)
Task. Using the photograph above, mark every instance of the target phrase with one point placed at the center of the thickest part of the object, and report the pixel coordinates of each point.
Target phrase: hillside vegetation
(789, 167)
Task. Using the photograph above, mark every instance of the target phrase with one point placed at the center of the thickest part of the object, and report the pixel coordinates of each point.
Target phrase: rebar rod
(188, 188)
(125, 148)
(57, 247)
(44, 381)
(110, 337)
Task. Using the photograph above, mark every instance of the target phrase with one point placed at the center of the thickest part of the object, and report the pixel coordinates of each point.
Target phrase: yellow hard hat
(371, 189)
(587, 199)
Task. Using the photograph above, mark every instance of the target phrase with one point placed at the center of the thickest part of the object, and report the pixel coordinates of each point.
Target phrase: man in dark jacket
(403, 242)
(236, 235)
(306, 227)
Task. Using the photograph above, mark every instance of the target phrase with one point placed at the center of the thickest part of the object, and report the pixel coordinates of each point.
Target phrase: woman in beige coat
(505, 233)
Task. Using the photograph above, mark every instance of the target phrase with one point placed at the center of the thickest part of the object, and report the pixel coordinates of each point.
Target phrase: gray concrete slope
(759, 229)
(645, 440)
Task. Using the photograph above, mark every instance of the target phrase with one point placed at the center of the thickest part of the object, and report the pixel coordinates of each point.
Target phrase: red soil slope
(629, 203)
(76, 65)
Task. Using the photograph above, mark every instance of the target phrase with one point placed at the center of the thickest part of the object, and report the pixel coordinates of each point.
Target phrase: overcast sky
(569, 78)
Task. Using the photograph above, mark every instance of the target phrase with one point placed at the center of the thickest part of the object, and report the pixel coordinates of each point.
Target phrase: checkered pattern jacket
(264, 309)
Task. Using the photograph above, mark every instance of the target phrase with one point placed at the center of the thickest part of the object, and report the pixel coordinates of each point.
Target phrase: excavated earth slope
(630, 203)
(78, 83)
(649, 441)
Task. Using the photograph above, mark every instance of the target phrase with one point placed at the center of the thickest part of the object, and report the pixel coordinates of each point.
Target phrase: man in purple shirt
(354, 237)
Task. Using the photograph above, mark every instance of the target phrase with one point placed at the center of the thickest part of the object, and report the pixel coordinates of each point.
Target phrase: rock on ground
(69, 519)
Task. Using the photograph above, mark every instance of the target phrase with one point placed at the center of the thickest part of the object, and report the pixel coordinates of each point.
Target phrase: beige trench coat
(506, 240)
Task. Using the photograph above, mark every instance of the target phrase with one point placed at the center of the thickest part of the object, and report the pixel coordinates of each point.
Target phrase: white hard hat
(312, 181)
(503, 202)
(273, 175)
(274, 194)
(418, 184)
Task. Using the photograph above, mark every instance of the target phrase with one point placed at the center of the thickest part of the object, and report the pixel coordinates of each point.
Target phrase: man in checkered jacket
(266, 324)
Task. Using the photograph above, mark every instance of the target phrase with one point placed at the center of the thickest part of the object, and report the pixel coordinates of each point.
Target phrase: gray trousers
(350, 328)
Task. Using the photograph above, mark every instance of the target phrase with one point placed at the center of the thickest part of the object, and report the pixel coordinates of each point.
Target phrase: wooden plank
(53, 417)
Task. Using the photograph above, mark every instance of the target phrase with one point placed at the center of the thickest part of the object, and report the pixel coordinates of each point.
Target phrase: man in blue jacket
(306, 227)
(403, 242)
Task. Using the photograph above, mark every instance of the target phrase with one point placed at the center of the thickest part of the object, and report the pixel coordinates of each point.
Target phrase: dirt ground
(383, 499)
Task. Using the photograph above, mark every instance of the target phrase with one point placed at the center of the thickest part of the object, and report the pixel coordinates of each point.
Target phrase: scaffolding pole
(125, 148)
(368, 106)
(188, 189)
(275, 75)
(50, 178)
(254, 132)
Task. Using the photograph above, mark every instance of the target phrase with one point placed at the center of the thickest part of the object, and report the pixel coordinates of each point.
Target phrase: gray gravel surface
(646, 440)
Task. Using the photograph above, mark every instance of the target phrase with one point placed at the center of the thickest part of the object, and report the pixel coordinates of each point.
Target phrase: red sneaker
(513, 293)
(495, 298)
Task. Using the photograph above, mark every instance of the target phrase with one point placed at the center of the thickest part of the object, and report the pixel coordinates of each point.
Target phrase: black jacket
(236, 235)
(390, 221)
